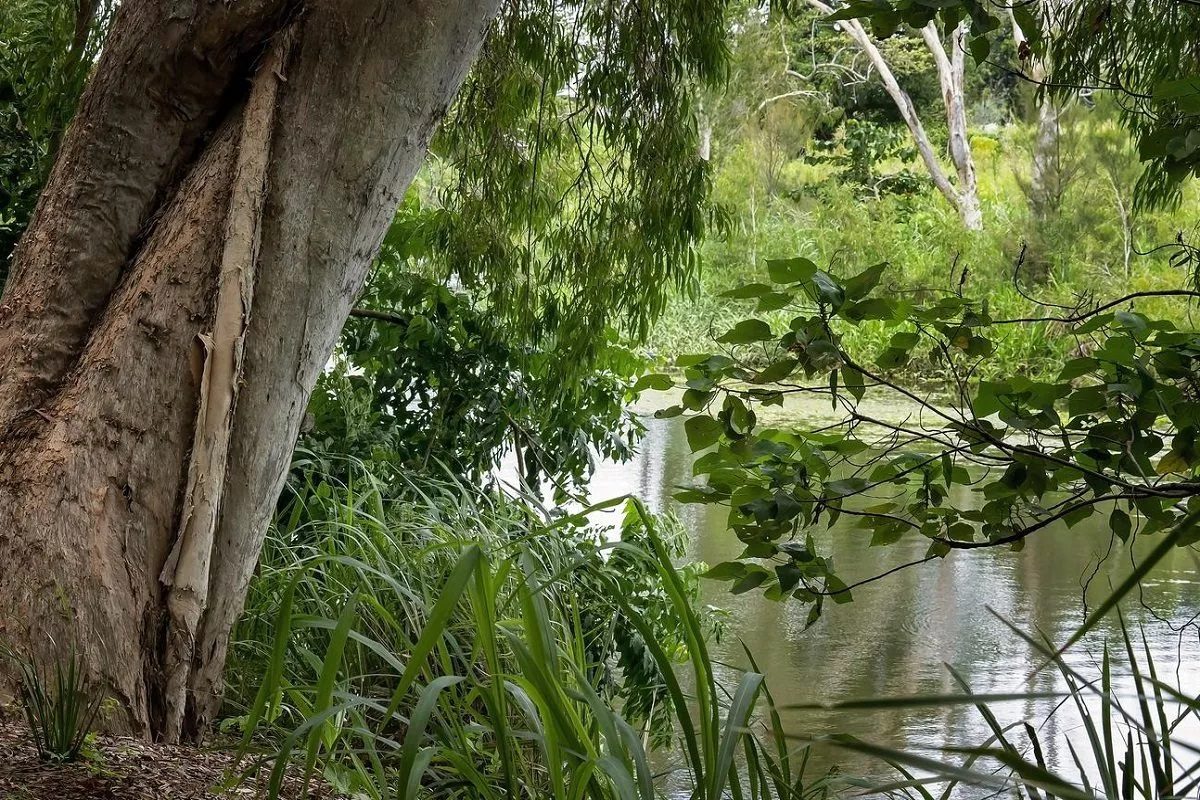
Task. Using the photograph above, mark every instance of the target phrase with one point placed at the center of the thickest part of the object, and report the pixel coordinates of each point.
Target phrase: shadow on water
(898, 634)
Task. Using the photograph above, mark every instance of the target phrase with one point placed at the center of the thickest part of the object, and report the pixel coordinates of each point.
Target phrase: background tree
(949, 58)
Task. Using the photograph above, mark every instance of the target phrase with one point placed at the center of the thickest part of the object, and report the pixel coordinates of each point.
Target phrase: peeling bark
(186, 573)
(217, 190)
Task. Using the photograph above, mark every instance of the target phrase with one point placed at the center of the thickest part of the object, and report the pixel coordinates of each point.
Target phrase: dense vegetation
(594, 213)
(810, 159)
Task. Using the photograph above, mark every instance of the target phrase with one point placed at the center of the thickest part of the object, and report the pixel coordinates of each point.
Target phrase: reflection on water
(898, 634)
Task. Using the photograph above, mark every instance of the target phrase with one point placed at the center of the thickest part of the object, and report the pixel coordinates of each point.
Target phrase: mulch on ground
(127, 769)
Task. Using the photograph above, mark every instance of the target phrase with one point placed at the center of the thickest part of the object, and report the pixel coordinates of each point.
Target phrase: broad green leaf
(861, 284)
(791, 270)
(775, 372)
(828, 290)
(837, 587)
(747, 291)
(1119, 523)
(746, 332)
(726, 571)
(655, 382)
(773, 302)
(702, 431)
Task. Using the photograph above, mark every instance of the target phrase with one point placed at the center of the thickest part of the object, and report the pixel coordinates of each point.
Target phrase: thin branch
(1083, 315)
(380, 316)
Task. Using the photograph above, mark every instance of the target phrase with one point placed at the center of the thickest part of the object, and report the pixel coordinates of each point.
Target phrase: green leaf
(775, 372)
(726, 571)
(961, 532)
(746, 332)
(1078, 515)
(1025, 16)
(871, 308)
(1171, 462)
(655, 382)
(1078, 367)
(828, 290)
(791, 270)
(752, 580)
(852, 379)
(981, 46)
(1120, 524)
(1094, 324)
(861, 284)
(886, 535)
(702, 431)
(773, 302)
(1177, 88)
(838, 589)
(788, 576)
(892, 358)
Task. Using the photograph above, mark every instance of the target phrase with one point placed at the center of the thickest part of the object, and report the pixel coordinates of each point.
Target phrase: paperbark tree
(208, 224)
(963, 196)
(951, 69)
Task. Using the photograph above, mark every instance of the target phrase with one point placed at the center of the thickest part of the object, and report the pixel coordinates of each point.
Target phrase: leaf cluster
(986, 464)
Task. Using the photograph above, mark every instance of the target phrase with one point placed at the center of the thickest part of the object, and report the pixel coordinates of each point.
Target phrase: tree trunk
(208, 224)
(964, 198)
(951, 71)
(1045, 179)
(1046, 175)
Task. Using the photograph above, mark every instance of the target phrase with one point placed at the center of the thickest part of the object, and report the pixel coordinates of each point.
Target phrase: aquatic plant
(456, 645)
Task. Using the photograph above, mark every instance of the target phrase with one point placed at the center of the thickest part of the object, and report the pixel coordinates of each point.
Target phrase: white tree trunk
(963, 198)
(1045, 181)
(951, 71)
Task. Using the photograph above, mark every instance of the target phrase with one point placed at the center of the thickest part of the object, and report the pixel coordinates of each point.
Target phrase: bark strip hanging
(186, 571)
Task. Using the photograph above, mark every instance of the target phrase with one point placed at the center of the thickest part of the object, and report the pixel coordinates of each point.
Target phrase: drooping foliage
(1146, 54)
(46, 51)
(574, 191)
(563, 202)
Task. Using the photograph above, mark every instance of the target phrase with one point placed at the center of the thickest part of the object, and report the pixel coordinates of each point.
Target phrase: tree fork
(134, 491)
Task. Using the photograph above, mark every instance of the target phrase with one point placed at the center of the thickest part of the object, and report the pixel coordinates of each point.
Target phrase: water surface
(900, 632)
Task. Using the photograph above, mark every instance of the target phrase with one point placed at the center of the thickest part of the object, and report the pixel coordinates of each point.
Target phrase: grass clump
(430, 641)
(1129, 743)
(59, 706)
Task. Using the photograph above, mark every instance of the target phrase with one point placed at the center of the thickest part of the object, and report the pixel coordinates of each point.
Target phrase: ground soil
(118, 768)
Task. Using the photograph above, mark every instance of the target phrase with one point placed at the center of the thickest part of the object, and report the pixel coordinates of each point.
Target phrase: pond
(899, 634)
